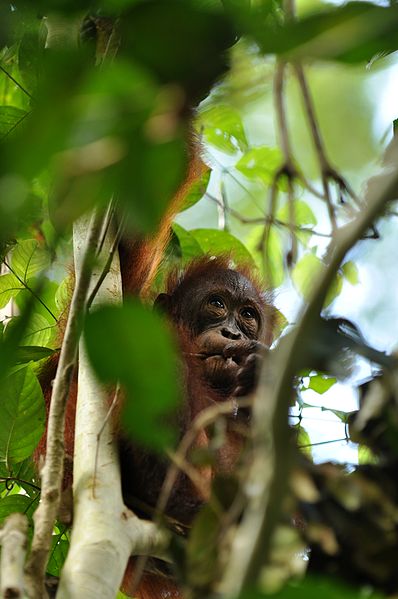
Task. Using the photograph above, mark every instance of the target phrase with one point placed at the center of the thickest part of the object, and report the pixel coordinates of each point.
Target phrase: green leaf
(32, 353)
(343, 416)
(271, 262)
(10, 117)
(59, 550)
(366, 455)
(22, 415)
(305, 271)
(199, 57)
(350, 272)
(134, 346)
(30, 56)
(303, 440)
(223, 128)
(14, 503)
(260, 163)
(321, 383)
(28, 258)
(63, 294)
(9, 288)
(303, 214)
(190, 247)
(214, 242)
(38, 331)
(313, 587)
(334, 289)
(203, 548)
(196, 191)
(354, 32)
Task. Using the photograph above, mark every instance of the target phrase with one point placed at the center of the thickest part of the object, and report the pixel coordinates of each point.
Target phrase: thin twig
(325, 168)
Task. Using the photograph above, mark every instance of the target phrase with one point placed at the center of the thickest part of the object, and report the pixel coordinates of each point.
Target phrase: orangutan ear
(163, 303)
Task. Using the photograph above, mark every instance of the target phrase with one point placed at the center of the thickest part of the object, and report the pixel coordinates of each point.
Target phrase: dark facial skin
(225, 313)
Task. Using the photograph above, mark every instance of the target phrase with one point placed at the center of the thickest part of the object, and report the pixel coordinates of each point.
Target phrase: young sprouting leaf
(350, 272)
(321, 383)
(270, 260)
(305, 271)
(303, 214)
(22, 415)
(334, 289)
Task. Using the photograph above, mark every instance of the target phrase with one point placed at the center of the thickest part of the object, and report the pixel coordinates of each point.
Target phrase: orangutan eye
(248, 313)
(216, 301)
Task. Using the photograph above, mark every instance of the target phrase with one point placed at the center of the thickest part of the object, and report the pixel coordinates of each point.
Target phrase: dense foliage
(103, 117)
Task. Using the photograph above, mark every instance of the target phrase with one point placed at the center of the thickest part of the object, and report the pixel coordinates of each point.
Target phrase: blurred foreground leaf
(133, 346)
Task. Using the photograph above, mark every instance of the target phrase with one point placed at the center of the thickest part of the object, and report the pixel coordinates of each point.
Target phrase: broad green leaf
(196, 191)
(260, 163)
(38, 331)
(10, 117)
(321, 383)
(354, 32)
(133, 345)
(350, 272)
(14, 503)
(44, 299)
(28, 258)
(180, 43)
(9, 288)
(32, 353)
(59, 550)
(190, 247)
(223, 128)
(214, 242)
(305, 271)
(22, 415)
(303, 214)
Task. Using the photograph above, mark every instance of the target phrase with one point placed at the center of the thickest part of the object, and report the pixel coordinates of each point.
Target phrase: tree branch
(266, 481)
(13, 537)
(52, 474)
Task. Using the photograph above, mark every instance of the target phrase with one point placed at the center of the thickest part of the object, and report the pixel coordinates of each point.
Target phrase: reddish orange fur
(140, 258)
